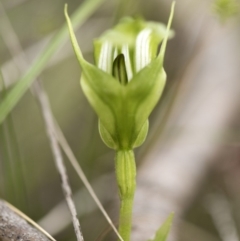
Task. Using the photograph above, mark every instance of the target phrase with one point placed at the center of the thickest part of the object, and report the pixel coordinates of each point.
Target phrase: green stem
(126, 179)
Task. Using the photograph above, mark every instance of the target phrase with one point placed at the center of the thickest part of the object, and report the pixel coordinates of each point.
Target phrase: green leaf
(14, 186)
(163, 231)
(19, 89)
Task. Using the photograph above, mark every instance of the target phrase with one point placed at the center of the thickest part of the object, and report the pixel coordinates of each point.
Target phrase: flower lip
(119, 69)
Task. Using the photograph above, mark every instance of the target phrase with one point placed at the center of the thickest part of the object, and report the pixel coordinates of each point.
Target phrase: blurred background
(190, 162)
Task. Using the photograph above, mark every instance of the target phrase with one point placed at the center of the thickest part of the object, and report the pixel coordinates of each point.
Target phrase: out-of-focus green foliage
(226, 8)
(163, 231)
(20, 88)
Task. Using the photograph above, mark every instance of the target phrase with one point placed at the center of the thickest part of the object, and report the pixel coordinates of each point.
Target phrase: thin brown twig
(48, 119)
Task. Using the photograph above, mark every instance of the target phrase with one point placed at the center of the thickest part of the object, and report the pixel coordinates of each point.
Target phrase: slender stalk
(126, 179)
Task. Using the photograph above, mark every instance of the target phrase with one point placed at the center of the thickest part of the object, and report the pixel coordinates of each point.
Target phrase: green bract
(127, 81)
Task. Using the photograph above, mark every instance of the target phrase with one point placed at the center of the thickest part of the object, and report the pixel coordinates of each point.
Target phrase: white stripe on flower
(105, 58)
(142, 54)
(125, 51)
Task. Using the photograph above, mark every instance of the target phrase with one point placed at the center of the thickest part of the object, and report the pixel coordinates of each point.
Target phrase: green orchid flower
(123, 88)
(127, 81)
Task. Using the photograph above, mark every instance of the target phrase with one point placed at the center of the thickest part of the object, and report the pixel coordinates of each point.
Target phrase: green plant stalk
(126, 179)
